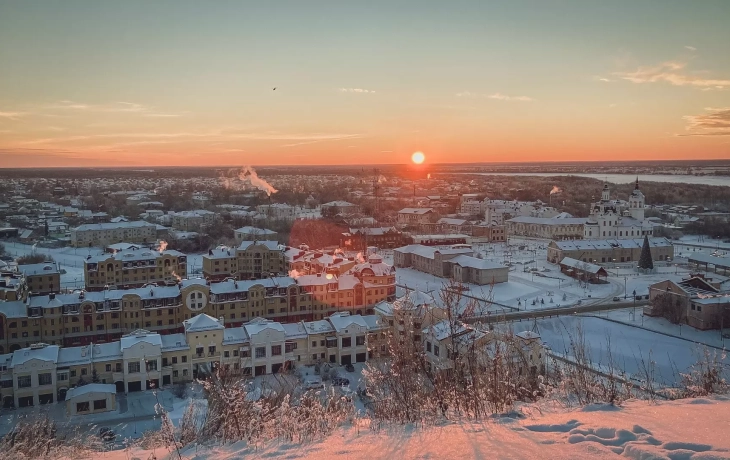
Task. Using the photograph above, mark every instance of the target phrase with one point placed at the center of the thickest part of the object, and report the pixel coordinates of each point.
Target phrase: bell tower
(637, 202)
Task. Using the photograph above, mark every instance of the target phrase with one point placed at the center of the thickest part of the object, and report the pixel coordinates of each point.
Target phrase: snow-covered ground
(629, 345)
(694, 429)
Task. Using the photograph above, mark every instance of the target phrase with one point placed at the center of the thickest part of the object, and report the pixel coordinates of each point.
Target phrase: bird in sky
(274, 88)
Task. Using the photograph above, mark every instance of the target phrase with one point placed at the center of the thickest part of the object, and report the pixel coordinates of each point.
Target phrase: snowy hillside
(695, 429)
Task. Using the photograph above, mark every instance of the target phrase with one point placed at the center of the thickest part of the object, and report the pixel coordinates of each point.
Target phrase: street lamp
(624, 287)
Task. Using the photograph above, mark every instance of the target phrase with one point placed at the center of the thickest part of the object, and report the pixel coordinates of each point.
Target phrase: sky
(89, 83)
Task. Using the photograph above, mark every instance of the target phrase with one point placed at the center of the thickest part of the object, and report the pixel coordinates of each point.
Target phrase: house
(416, 216)
(468, 269)
(334, 208)
(43, 278)
(104, 234)
(554, 228)
(379, 237)
(585, 271)
(252, 233)
(694, 301)
(609, 251)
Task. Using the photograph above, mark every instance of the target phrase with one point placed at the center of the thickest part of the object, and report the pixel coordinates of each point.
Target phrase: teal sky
(176, 82)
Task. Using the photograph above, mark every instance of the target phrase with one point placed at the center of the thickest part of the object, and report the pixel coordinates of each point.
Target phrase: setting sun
(418, 158)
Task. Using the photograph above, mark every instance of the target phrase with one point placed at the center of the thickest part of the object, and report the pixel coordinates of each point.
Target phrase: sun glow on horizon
(418, 158)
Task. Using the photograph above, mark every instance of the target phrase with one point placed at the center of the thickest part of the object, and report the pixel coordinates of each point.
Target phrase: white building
(191, 221)
(104, 234)
(614, 219)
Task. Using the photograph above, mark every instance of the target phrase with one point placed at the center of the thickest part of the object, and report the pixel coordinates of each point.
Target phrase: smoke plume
(248, 174)
(163, 246)
(555, 190)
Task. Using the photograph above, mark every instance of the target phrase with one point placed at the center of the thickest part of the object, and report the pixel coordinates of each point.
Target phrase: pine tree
(94, 376)
(645, 260)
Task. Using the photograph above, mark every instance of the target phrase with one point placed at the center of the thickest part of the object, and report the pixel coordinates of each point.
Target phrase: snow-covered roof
(173, 342)
(339, 204)
(415, 211)
(47, 268)
(319, 327)
(139, 336)
(113, 225)
(473, 262)
(451, 221)
(193, 282)
(255, 230)
(257, 325)
(430, 251)
(342, 320)
(549, 220)
(233, 335)
(201, 323)
(72, 356)
(14, 309)
(586, 267)
(132, 255)
(587, 245)
(230, 286)
(106, 351)
(90, 388)
(42, 352)
(270, 245)
(294, 330)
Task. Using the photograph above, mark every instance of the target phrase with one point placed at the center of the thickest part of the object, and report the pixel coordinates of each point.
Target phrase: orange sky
(176, 83)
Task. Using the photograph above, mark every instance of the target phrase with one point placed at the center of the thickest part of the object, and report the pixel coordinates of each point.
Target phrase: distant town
(116, 284)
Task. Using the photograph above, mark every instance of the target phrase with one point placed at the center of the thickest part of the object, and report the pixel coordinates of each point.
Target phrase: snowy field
(693, 429)
(629, 345)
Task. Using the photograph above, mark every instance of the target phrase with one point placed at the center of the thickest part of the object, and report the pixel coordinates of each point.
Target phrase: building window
(346, 342)
(44, 379)
(428, 347)
(108, 367)
(360, 340)
(133, 368)
(436, 350)
(82, 407)
(184, 359)
(152, 365)
(83, 371)
(261, 352)
(24, 381)
(276, 350)
(99, 404)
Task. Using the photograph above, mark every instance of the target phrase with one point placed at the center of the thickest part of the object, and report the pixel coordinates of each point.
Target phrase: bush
(34, 258)
(180, 390)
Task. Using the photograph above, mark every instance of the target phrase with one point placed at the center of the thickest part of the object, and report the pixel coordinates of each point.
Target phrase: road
(555, 311)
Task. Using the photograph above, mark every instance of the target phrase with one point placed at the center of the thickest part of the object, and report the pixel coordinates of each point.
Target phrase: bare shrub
(39, 437)
(707, 376)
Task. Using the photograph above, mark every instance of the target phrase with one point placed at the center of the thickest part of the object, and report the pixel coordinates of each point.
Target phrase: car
(346, 392)
(349, 368)
(340, 381)
(6, 259)
(107, 434)
(616, 298)
(313, 382)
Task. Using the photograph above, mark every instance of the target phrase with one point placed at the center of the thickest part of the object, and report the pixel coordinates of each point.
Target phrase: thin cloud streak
(115, 107)
(12, 115)
(356, 90)
(715, 122)
(496, 96)
(670, 72)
